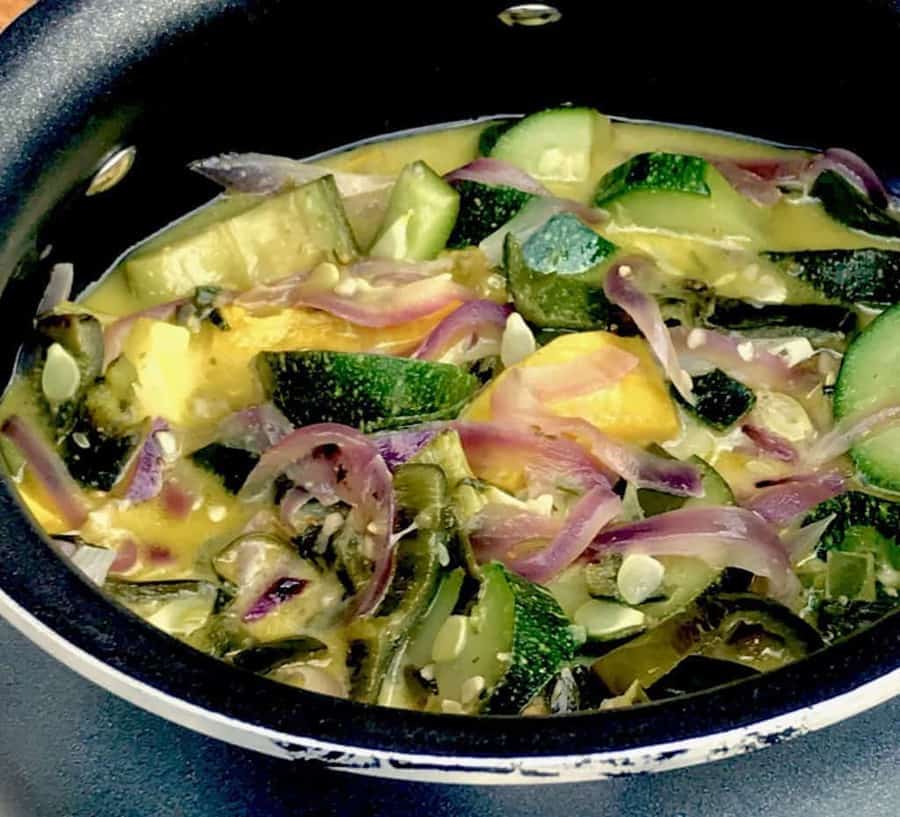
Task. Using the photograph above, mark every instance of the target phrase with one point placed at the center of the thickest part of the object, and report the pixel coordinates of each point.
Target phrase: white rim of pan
(460, 769)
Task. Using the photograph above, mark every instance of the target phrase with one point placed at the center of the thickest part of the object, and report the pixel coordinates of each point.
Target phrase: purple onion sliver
(785, 501)
(476, 319)
(280, 591)
(769, 443)
(146, 478)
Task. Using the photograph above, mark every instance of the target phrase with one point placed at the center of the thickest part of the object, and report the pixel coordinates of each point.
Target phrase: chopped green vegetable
(822, 324)
(845, 203)
(491, 134)
(231, 465)
(483, 209)
(656, 172)
(367, 391)
(420, 216)
(720, 400)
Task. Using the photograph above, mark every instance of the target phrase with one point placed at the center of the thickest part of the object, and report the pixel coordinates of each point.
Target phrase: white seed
(443, 555)
(216, 513)
(61, 375)
(471, 689)
(625, 270)
(450, 640)
(331, 524)
(696, 338)
(639, 577)
(197, 503)
(542, 504)
(80, 439)
(427, 672)
(346, 288)
(518, 341)
(746, 351)
(167, 444)
(451, 707)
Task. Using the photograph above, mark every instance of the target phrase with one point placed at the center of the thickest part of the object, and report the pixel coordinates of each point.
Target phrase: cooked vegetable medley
(533, 416)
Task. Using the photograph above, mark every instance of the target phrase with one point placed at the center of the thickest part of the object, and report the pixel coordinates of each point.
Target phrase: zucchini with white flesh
(497, 658)
(489, 136)
(863, 276)
(556, 278)
(178, 608)
(751, 630)
(96, 457)
(679, 193)
(845, 203)
(368, 391)
(238, 241)
(869, 379)
(558, 145)
(575, 689)
(483, 209)
(420, 216)
(822, 324)
(720, 400)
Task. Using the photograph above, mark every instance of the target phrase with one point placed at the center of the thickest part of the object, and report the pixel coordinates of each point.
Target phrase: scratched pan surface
(179, 79)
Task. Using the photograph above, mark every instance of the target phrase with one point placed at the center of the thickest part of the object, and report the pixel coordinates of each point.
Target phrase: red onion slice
(474, 321)
(397, 447)
(785, 501)
(254, 429)
(262, 173)
(497, 529)
(59, 288)
(721, 536)
(497, 173)
(850, 431)
(621, 290)
(513, 401)
(854, 169)
(596, 509)
(770, 444)
(590, 372)
(742, 359)
(374, 292)
(758, 189)
(145, 476)
(48, 470)
(357, 474)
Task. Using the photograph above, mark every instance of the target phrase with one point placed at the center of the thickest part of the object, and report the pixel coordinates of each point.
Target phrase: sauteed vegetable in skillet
(531, 415)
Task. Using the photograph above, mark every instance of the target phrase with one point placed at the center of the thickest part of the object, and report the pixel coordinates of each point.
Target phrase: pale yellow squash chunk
(636, 409)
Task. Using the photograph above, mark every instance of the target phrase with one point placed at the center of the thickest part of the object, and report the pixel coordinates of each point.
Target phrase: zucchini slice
(843, 202)
(720, 400)
(869, 379)
(483, 209)
(368, 391)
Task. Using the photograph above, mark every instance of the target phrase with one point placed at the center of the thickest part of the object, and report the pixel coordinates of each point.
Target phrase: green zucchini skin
(483, 209)
(869, 378)
(231, 465)
(541, 643)
(720, 399)
(551, 301)
(367, 391)
(657, 172)
(101, 459)
(844, 203)
(868, 275)
(853, 509)
(491, 134)
(811, 321)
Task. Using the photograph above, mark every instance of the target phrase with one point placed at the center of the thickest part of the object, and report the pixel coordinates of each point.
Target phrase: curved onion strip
(254, 429)
(769, 443)
(721, 536)
(276, 594)
(262, 173)
(59, 287)
(850, 431)
(357, 475)
(741, 358)
(785, 501)
(497, 529)
(585, 374)
(621, 290)
(397, 447)
(373, 293)
(145, 477)
(497, 173)
(854, 169)
(474, 321)
(802, 542)
(596, 509)
(514, 402)
(49, 471)
(748, 183)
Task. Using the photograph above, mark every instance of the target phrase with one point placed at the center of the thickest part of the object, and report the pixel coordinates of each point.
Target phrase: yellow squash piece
(636, 409)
